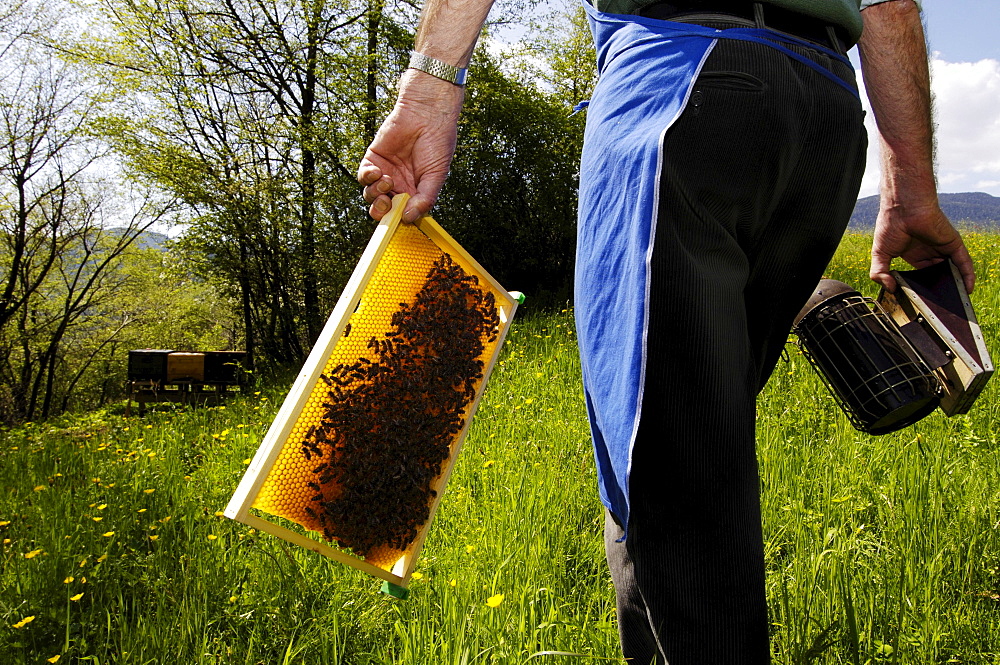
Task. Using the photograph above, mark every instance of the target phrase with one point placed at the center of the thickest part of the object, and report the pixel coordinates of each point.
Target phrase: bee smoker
(891, 362)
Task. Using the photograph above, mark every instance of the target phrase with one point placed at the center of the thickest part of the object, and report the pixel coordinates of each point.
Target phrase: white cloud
(967, 119)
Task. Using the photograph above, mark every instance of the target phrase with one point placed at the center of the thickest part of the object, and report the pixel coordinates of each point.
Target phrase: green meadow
(879, 549)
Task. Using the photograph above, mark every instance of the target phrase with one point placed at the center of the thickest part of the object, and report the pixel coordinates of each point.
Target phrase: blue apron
(647, 70)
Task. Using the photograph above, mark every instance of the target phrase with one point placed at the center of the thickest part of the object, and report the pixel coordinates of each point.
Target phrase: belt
(752, 14)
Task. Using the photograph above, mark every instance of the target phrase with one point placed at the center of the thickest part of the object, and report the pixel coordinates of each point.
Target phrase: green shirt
(843, 13)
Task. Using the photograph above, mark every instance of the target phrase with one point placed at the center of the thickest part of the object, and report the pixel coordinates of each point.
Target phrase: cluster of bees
(389, 420)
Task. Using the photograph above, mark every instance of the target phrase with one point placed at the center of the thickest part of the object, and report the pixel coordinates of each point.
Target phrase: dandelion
(32, 554)
(39, 488)
(76, 597)
(24, 622)
(488, 464)
(212, 536)
(102, 558)
(469, 549)
(69, 580)
(4, 522)
(149, 491)
(108, 534)
(219, 513)
(494, 601)
(53, 659)
(97, 519)
(453, 581)
(416, 575)
(232, 599)
(154, 538)
(247, 460)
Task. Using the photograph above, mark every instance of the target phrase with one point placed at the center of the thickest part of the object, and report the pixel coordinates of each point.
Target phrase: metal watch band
(435, 67)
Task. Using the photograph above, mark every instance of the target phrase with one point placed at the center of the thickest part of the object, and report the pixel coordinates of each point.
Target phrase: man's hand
(921, 238)
(413, 148)
(910, 222)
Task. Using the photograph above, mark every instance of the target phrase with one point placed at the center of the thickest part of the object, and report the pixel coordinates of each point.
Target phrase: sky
(965, 81)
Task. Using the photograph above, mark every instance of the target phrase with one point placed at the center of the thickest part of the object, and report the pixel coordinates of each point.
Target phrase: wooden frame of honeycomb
(364, 443)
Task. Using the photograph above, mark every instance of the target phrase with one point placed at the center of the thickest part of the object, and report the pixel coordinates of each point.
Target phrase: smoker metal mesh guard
(361, 450)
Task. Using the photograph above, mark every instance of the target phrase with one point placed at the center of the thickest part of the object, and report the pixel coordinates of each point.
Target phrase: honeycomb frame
(263, 491)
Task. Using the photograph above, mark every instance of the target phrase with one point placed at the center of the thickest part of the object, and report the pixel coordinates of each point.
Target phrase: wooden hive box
(186, 366)
(223, 366)
(363, 445)
(148, 364)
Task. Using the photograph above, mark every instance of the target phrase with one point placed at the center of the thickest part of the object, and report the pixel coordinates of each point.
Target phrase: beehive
(362, 447)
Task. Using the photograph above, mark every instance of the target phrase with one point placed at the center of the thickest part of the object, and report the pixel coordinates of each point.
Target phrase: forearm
(449, 29)
(894, 65)
(413, 149)
(911, 224)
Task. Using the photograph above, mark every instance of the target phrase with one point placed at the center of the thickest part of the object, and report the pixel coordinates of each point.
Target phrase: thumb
(879, 271)
(422, 201)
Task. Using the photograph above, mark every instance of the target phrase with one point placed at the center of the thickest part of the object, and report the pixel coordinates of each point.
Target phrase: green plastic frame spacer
(395, 590)
(518, 296)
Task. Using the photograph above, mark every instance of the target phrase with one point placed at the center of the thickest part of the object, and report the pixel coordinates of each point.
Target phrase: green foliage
(879, 549)
(511, 196)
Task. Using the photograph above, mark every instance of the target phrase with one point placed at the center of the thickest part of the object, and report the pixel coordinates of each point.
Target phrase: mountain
(975, 209)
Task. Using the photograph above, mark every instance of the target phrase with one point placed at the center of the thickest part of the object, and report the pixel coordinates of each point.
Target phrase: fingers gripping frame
(357, 459)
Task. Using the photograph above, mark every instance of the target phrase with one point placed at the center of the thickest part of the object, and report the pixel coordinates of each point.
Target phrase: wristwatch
(435, 67)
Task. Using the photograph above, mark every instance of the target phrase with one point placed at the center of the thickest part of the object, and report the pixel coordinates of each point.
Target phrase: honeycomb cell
(363, 463)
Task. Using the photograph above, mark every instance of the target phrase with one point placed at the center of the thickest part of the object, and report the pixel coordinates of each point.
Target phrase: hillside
(967, 208)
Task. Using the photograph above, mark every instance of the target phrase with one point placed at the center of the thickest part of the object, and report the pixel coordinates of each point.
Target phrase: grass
(879, 549)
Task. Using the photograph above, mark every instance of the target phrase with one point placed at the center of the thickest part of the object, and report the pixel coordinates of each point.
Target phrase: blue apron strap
(774, 39)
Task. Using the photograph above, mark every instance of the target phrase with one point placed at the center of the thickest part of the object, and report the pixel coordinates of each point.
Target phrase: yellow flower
(102, 558)
(453, 581)
(4, 522)
(494, 601)
(469, 549)
(416, 576)
(53, 659)
(68, 580)
(232, 599)
(149, 491)
(212, 536)
(219, 513)
(108, 534)
(97, 519)
(76, 597)
(39, 488)
(247, 460)
(487, 464)
(24, 622)
(153, 538)
(32, 554)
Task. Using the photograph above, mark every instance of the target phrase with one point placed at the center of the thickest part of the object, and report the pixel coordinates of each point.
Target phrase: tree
(58, 250)
(511, 196)
(251, 113)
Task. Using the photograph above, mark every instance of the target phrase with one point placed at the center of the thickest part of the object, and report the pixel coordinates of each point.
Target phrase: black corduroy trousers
(759, 178)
